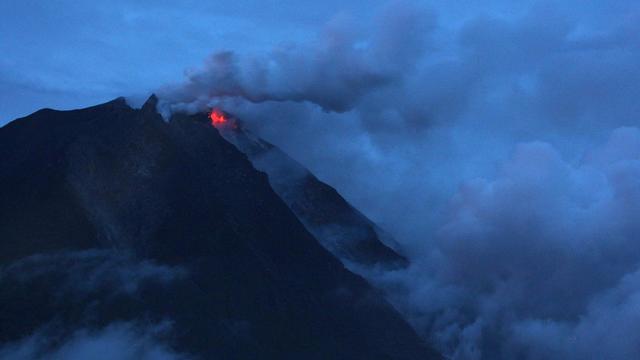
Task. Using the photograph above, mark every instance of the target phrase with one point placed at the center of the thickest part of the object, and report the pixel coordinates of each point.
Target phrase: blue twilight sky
(65, 53)
(498, 141)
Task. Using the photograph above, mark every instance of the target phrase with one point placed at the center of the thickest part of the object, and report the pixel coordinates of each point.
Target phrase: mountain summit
(113, 221)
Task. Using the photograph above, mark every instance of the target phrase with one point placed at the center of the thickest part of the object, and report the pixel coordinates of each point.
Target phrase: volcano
(337, 225)
(209, 243)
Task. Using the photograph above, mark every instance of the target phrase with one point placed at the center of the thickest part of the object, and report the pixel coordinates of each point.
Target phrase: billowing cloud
(487, 157)
(537, 262)
(126, 341)
(335, 71)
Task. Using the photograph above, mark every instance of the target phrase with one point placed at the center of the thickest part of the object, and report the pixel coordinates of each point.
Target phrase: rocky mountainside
(111, 218)
(339, 227)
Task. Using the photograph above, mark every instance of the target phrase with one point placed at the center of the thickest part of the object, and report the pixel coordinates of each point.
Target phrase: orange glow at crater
(217, 117)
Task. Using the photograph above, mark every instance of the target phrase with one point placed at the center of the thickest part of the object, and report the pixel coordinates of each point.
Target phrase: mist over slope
(359, 243)
(501, 151)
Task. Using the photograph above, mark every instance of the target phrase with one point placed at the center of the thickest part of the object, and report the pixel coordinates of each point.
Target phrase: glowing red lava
(217, 117)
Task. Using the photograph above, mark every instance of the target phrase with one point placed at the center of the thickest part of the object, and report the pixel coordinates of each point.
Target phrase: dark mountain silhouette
(110, 215)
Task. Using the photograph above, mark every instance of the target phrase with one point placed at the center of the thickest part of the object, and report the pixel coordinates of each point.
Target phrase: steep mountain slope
(339, 227)
(111, 216)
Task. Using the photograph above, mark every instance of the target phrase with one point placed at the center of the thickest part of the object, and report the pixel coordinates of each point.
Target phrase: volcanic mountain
(339, 227)
(201, 247)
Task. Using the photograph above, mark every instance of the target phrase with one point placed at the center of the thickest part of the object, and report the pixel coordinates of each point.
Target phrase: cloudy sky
(498, 142)
(65, 54)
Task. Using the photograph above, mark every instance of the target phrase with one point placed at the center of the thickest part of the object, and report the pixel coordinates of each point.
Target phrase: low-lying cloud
(538, 262)
(125, 341)
(70, 294)
(78, 274)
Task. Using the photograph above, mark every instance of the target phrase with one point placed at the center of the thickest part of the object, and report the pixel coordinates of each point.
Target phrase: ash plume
(334, 71)
(501, 151)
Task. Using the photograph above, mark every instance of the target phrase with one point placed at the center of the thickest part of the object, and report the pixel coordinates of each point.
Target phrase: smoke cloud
(334, 71)
(538, 262)
(502, 152)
